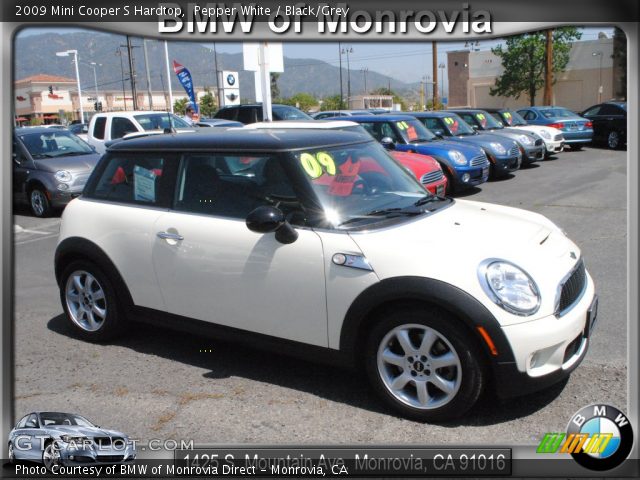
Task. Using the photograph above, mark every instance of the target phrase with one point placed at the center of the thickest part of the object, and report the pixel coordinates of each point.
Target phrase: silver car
(50, 167)
(55, 438)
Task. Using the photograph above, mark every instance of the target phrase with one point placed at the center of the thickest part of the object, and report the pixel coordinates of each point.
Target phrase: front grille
(558, 138)
(539, 142)
(479, 161)
(110, 458)
(572, 288)
(431, 177)
(514, 150)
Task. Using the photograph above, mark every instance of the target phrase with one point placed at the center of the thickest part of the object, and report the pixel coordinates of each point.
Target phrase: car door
(22, 166)
(32, 436)
(20, 440)
(211, 267)
(595, 115)
(611, 117)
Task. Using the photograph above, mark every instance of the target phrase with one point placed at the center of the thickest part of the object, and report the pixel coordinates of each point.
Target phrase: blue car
(577, 130)
(464, 165)
(504, 154)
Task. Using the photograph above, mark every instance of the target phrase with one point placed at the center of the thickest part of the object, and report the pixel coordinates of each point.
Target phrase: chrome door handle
(169, 236)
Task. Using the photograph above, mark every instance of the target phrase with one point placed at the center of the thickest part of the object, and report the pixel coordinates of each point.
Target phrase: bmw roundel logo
(607, 434)
(231, 79)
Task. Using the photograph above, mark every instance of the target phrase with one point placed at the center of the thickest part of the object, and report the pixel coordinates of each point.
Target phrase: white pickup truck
(108, 126)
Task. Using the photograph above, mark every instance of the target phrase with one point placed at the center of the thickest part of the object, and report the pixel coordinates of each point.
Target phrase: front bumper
(60, 198)
(505, 164)
(438, 187)
(548, 349)
(554, 146)
(473, 175)
(533, 154)
(93, 455)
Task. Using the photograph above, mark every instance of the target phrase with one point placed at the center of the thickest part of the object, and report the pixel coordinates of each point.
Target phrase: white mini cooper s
(318, 243)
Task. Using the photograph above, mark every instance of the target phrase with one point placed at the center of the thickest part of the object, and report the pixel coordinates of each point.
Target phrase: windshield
(54, 143)
(557, 113)
(361, 184)
(412, 131)
(284, 112)
(160, 121)
(486, 121)
(56, 418)
(513, 118)
(456, 126)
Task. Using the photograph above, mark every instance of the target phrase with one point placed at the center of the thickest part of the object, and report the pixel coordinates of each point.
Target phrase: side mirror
(15, 158)
(266, 219)
(388, 143)
(474, 126)
(85, 129)
(438, 133)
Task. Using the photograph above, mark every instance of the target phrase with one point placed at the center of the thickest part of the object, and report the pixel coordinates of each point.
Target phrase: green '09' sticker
(316, 165)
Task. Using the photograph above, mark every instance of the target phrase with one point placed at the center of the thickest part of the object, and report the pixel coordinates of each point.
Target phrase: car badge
(573, 255)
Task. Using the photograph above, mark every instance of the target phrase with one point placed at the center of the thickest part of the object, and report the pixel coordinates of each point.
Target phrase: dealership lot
(159, 384)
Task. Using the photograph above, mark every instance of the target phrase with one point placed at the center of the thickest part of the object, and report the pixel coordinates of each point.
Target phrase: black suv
(253, 113)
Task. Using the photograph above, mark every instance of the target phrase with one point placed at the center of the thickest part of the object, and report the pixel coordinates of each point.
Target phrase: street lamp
(364, 71)
(95, 76)
(441, 67)
(599, 54)
(75, 60)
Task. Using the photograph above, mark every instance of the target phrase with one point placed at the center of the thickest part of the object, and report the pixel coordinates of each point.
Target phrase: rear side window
(134, 178)
(528, 115)
(227, 113)
(120, 126)
(99, 127)
(247, 115)
(611, 110)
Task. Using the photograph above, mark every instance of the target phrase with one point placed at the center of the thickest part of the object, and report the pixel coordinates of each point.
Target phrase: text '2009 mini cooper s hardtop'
(320, 240)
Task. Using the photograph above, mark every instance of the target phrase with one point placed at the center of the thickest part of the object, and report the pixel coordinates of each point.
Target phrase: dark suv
(253, 113)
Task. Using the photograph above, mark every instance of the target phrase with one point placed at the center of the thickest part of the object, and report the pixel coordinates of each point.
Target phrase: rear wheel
(90, 302)
(423, 365)
(613, 140)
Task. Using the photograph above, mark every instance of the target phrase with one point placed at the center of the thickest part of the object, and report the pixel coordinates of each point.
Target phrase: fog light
(534, 360)
(466, 177)
(63, 186)
(71, 457)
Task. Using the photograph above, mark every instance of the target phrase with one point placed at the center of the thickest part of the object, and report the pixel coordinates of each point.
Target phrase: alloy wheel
(86, 301)
(38, 202)
(613, 140)
(50, 456)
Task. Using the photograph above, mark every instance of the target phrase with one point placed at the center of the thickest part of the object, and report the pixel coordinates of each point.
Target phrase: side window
(592, 111)
(610, 110)
(135, 178)
(470, 119)
(432, 124)
(120, 126)
(99, 127)
(233, 185)
(371, 130)
(246, 115)
(528, 114)
(499, 118)
(32, 421)
(388, 131)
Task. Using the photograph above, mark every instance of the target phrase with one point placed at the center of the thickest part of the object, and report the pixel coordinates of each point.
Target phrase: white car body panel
(550, 144)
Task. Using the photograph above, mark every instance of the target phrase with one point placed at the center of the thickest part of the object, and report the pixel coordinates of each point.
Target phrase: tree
(619, 64)
(208, 105)
(523, 59)
(275, 90)
(304, 101)
(333, 103)
(180, 105)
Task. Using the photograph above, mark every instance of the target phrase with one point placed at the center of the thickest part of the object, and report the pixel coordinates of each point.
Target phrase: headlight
(457, 157)
(498, 148)
(63, 176)
(524, 139)
(509, 286)
(545, 134)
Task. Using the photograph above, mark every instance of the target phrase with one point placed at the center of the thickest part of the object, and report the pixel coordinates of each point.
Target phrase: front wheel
(89, 299)
(50, 456)
(39, 203)
(423, 365)
(12, 454)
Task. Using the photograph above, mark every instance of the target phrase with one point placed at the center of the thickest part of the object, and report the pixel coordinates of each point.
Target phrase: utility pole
(548, 68)
(146, 66)
(132, 73)
(215, 58)
(124, 94)
(166, 61)
(434, 49)
(341, 92)
(365, 70)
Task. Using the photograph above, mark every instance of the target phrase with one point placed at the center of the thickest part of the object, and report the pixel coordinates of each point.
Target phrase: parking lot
(160, 384)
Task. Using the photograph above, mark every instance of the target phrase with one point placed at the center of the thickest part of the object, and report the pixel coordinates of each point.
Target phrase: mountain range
(35, 54)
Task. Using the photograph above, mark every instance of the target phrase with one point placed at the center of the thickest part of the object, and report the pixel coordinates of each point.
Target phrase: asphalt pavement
(156, 383)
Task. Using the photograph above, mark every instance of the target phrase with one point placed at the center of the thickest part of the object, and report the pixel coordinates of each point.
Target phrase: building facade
(588, 78)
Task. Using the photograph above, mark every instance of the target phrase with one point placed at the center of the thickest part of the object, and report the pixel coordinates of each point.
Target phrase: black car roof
(23, 130)
(243, 140)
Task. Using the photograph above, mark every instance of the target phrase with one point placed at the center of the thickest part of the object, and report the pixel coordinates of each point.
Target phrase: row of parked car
(447, 151)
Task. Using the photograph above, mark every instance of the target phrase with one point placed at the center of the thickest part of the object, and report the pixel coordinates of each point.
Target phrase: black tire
(12, 457)
(576, 148)
(39, 202)
(50, 449)
(112, 324)
(614, 140)
(471, 361)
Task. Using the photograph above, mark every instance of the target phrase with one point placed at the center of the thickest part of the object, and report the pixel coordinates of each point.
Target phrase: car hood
(83, 431)
(442, 147)
(450, 244)
(484, 140)
(77, 163)
(537, 129)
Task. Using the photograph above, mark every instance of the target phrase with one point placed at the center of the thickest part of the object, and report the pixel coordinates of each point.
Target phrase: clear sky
(408, 62)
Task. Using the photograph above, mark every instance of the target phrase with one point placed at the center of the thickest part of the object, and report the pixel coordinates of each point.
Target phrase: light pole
(124, 94)
(441, 67)
(75, 60)
(364, 71)
(599, 54)
(347, 51)
(95, 76)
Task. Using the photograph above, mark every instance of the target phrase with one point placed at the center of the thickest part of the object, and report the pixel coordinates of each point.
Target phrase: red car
(425, 168)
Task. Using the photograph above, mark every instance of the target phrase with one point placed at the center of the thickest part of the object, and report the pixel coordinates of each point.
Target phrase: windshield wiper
(389, 212)
(428, 199)
(70, 154)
